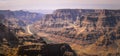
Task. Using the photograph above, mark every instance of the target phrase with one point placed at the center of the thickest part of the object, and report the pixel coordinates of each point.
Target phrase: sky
(58, 4)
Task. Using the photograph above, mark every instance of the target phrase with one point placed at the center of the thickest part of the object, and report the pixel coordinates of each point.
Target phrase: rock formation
(84, 27)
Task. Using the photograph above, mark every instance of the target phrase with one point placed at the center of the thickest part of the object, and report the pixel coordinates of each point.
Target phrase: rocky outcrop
(46, 50)
(7, 36)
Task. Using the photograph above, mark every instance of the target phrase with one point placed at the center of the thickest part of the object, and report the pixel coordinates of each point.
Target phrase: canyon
(88, 31)
(72, 32)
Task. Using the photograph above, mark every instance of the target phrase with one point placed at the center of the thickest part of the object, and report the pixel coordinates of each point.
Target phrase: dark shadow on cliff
(5, 33)
(47, 50)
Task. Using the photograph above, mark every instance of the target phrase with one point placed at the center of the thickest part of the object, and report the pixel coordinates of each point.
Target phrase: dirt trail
(28, 29)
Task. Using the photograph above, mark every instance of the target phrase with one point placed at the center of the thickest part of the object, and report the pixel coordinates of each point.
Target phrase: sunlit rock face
(94, 30)
(86, 25)
(83, 17)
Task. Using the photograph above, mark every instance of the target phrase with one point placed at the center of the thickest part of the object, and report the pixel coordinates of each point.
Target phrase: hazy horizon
(56, 4)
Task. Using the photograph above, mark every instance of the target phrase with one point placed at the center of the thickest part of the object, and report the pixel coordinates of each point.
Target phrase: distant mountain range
(41, 11)
(23, 16)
